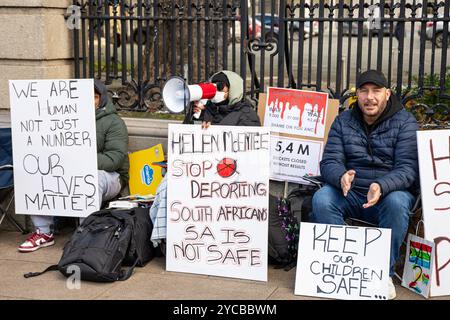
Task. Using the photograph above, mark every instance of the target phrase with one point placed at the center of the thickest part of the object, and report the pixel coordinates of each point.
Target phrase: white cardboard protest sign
(434, 165)
(292, 158)
(343, 262)
(418, 266)
(54, 147)
(217, 201)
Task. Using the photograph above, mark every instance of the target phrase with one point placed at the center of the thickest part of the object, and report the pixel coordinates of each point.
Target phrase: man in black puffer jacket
(370, 164)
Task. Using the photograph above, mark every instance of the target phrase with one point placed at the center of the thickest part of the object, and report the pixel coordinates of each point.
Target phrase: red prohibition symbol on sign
(226, 167)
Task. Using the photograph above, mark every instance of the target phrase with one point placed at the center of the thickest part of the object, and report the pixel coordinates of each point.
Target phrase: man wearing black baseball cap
(370, 164)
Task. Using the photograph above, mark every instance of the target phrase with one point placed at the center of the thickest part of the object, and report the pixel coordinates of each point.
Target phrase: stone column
(35, 42)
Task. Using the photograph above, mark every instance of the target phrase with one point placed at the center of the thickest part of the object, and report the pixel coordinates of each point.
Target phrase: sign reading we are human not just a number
(54, 147)
(217, 201)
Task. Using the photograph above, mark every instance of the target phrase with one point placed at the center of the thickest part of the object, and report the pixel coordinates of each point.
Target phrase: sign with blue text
(54, 147)
(343, 262)
(217, 200)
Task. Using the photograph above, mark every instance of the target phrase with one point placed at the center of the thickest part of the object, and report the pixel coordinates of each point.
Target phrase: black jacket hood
(101, 89)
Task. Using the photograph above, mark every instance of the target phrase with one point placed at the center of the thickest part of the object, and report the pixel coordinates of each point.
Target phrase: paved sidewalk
(151, 282)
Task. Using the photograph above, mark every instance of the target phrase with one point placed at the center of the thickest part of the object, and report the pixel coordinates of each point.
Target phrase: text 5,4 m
(292, 148)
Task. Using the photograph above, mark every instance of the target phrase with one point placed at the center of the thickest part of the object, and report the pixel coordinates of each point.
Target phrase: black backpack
(285, 215)
(105, 242)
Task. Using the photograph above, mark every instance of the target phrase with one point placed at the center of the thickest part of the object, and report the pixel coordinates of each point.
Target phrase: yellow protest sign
(145, 173)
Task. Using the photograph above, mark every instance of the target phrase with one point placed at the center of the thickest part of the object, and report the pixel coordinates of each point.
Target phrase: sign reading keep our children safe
(343, 262)
(54, 147)
(217, 201)
(434, 166)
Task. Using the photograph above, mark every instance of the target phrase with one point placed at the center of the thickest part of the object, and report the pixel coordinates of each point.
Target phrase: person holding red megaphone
(228, 107)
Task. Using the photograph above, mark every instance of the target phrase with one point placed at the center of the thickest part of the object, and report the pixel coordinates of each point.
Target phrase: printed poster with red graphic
(217, 200)
(296, 112)
(299, 122)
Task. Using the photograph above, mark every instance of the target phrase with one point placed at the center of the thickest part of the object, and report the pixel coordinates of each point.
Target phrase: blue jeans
(392, 212)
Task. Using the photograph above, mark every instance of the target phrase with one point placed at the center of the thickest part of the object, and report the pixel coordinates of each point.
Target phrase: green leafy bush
(438, 107)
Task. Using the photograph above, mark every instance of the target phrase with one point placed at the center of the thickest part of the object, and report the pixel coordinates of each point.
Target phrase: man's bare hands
(373, 195)
(346, 181)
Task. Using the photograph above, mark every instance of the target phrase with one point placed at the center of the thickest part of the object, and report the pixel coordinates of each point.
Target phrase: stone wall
(35, 42)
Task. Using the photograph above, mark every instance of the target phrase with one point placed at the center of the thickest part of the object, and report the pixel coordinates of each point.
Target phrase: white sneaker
(391, 286)
(36, 241)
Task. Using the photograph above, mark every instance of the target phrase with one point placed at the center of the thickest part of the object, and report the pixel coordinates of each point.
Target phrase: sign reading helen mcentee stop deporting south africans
(217, 201)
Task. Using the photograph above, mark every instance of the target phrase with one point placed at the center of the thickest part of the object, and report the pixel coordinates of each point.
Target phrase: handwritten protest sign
(343, 262)
(54, 147)
(419, 261)
(299, 122)
(217, 201)
(434, 165)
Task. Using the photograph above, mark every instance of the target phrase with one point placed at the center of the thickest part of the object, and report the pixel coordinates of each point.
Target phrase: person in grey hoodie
(229, 107)
(112, 164)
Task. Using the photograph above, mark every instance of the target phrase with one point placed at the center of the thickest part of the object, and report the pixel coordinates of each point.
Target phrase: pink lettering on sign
(443, 187)
(281, 99)
(439, 241)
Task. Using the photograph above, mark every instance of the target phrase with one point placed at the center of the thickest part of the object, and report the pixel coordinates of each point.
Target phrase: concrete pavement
(152, 282)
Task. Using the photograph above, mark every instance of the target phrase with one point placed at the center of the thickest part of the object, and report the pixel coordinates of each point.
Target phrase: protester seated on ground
(232, 109)
(112, 163)
(370, 164)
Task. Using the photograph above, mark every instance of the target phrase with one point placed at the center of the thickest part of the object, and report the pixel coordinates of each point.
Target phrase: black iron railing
(136, 45)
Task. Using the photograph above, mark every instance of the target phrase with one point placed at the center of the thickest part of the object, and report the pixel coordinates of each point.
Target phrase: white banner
(217, 201)
(343, 262)
(296, 112)
(293, 158)
(54, 147)
(434, 164)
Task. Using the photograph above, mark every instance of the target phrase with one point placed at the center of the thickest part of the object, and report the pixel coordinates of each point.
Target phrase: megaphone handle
(188, 115)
